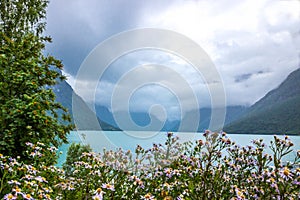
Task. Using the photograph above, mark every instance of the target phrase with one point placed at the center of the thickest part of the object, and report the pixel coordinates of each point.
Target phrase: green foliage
(74, 152)
(214, 168)
(28, 111)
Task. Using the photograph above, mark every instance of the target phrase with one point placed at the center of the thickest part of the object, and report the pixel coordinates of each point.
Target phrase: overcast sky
(254, 44)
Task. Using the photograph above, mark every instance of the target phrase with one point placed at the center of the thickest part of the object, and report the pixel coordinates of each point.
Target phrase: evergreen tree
(28, 110)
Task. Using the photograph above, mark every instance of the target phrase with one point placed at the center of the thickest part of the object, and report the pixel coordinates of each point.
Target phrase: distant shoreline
(289, 134)
(230, 133)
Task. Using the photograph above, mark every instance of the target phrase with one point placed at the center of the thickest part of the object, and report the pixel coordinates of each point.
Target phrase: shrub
(214, 168)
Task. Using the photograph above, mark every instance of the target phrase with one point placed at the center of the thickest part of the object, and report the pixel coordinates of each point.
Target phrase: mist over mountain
(143, 119)
(278, 112)
(86, 119)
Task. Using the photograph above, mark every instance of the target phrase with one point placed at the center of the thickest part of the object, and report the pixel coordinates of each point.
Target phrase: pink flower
(168, 172)
(108, 186)
(27, 196)
(9, 196)
(148, 196)
(285, 173)
(98, 196)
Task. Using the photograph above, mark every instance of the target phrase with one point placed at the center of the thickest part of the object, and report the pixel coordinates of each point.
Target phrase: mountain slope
(140, 119)
(143, 119)
(232, 113)
(277, 112)
(86, 120)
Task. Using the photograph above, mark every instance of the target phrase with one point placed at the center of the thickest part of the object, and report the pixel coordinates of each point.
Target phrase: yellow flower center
(99, 190)
(286, 171)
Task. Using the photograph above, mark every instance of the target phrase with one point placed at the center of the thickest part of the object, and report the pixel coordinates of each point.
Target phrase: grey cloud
(77, 26)
(251, 62)
(244, 77)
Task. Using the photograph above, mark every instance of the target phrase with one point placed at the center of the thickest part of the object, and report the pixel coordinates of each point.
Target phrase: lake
(129, 140)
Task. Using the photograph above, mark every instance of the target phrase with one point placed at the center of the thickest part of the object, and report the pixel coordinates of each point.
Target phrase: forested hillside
(277, 112)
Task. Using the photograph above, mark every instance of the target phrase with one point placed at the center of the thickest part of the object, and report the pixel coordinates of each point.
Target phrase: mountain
(277, 112)
(143, 119)
(232, 113)
(87, 119)
(140, 119)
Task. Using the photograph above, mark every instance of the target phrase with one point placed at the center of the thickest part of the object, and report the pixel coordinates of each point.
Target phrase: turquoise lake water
(129, 140)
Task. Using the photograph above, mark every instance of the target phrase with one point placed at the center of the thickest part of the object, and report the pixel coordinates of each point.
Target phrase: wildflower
(163, 193)
(47, 196)
(13, 162)
(27, 197)
(249, 180)
(133, 178)
(206, 133)
(158, 173)
(28, 177)
(46, 189)
(285, 173)
(148, 196)
(168, 198)
(200, 142)
(98, 194)
(108, 186)
(99, 190)
(11, 182)
(176, 172)
(271, 180)
(298, 171)
(9, 196)
(140, 183)
(239, 194)
(98, 197)
(168, 172)
(169, 134)
(52, 149)
(71, 187)
(167, 185)
(17, 191)
(226, 140)
(41, 144)
(29, 144)
(296, 182)
(41, 179)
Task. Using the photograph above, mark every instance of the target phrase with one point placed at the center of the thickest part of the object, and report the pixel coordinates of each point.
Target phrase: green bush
(73, 155)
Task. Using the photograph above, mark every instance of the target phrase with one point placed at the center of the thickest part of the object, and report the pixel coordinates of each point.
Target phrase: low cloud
(253, 44)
